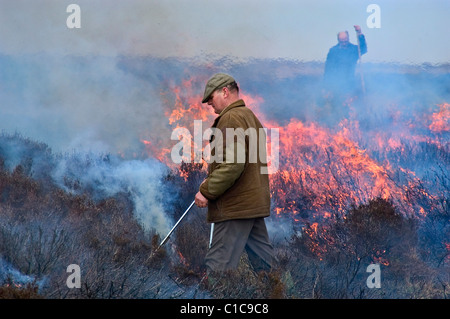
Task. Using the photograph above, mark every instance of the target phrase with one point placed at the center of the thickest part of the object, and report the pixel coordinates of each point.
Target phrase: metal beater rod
(173, 228)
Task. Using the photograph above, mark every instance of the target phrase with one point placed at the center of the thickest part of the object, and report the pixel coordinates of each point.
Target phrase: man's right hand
(200, 200)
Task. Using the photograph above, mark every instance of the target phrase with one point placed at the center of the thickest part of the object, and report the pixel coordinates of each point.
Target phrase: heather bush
(46, 226)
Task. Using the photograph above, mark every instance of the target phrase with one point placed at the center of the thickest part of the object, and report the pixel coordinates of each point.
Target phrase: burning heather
(360, 182)
(324, 169)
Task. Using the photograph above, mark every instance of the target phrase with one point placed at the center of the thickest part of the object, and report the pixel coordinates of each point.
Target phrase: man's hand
(357, 29)
(200, 200)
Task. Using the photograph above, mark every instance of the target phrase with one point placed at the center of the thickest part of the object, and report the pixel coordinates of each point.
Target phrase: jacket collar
(233, 105)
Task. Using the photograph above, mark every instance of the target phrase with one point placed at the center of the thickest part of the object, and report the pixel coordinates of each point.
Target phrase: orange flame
(440, 121)
(320, 168)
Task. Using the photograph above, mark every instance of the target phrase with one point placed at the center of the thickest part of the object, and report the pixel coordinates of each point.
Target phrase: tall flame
(440, 121)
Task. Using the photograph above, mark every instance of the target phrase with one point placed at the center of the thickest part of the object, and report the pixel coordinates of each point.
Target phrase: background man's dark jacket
(340, 66)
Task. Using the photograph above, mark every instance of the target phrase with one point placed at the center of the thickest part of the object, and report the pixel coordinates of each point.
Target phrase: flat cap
(217, 81)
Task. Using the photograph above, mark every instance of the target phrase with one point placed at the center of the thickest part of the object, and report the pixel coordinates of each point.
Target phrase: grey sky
(412, 31)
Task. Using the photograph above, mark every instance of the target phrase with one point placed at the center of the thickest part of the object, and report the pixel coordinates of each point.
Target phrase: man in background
(339, 76)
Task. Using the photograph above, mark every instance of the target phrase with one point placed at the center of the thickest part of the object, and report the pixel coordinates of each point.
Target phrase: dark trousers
(231, 237)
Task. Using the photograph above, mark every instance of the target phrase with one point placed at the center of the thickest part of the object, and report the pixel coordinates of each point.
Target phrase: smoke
(82, 103)
(100, 176)
(109, 176)
(9, 274)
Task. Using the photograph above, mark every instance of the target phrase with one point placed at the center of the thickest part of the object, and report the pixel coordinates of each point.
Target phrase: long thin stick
(173, 228)
(360, 65)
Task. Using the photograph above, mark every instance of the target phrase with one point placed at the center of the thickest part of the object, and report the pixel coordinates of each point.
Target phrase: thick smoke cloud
(85, 108)
(108, 177)
(82, 103)
(100, 176)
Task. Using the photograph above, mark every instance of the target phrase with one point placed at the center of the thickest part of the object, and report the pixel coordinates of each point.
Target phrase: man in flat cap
(235, 191)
